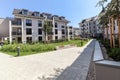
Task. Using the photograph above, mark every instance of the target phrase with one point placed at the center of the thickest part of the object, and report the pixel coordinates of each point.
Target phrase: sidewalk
(39, 66)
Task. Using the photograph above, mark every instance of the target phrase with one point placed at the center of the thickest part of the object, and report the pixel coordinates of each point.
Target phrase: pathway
(44, 66)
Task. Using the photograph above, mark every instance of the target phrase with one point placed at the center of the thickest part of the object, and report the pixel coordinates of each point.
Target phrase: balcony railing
(16, 33)
(16, 21)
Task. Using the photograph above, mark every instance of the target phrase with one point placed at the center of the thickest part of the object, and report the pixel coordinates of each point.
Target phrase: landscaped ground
(27, 49)
(113, 53)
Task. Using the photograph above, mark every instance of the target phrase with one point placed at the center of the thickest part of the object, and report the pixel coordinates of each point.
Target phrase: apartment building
(89, 27)
(4, 29)
(70, 32)
(27, 26)
(76, 32)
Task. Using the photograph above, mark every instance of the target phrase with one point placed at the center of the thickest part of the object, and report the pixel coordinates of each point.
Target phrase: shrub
(37, 47)
(115, 54)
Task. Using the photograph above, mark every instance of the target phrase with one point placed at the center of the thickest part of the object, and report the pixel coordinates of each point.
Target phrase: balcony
(16, 22)
(16, 33)
(70, 33)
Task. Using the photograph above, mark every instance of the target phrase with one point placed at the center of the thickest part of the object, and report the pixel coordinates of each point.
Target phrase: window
(29, 39)
(63, 31)
(56, 37)
(19, 22)
(40, 38)
(28, 31)
(39, 31)
(70, 33)
(56, 25)
(28, 22)
(36, 13)
(63, 26)
(24, 12)
(39, 23)
(19, 31)
(56, 31)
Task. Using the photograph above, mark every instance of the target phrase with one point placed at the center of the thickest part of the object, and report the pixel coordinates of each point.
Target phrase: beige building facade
(27, 26)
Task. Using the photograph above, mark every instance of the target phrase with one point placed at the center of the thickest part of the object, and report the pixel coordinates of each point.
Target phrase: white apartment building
(26, 26)
(76, 32)
(70, 32)
(90, 28)
(107, 30)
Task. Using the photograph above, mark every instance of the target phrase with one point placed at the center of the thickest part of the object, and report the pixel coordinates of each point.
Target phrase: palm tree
(101, 4)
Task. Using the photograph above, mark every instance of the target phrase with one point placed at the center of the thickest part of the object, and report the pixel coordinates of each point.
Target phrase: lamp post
(18, 51)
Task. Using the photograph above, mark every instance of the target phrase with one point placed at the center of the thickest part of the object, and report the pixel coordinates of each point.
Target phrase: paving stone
(44, 66)
(79, 69)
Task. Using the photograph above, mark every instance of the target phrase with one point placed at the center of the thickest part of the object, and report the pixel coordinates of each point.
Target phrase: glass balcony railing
(16, 33)
(16, 23)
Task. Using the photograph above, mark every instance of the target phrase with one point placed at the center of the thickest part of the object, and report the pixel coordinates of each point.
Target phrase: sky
(73, 10)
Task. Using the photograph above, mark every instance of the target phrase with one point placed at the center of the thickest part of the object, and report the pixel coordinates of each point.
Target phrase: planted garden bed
(27, 49)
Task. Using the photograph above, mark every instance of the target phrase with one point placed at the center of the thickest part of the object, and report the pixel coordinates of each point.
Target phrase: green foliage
(6, 42)
(47, 28)
(114, 53)
(27, 49)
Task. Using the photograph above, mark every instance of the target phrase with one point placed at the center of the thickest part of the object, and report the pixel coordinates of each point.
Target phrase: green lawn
(27, 49)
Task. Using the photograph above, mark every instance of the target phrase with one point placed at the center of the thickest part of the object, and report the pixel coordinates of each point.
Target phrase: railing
(16, 33)
(16, 23)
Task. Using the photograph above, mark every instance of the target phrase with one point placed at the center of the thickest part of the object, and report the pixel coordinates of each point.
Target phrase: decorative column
(68, 33)
(53, 29)
(10, 32)
(23, 32)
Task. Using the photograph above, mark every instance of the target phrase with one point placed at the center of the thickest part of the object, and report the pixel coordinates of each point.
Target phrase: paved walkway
(79, 70)
(44, 66)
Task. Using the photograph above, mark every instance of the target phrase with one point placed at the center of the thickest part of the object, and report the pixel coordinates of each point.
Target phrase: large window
(29, 39)
(36, 13)
(63, 26)
(24, 12)
(28, 22)
(56, 31)
(28, 31)
(63, 31)
(56, 25)
(39, 23)
(56, 37)
(40, 38)
(40, 31)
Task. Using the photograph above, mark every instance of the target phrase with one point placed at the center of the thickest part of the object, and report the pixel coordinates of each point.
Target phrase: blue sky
(73, 10)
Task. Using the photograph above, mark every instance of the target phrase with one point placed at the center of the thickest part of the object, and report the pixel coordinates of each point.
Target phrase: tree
(47, 28)
(101, 4)
(112, 11)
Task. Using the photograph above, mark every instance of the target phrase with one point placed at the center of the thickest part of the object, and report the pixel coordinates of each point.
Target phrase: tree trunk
(110, 32)
(118, 22)
(107, 32)
(113, 33)
(46, 37)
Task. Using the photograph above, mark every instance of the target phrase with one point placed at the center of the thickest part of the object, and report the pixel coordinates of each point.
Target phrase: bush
(115, 53)
(26, 49)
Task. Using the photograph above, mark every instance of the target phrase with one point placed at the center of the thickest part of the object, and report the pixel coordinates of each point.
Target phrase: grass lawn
(27, 49)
